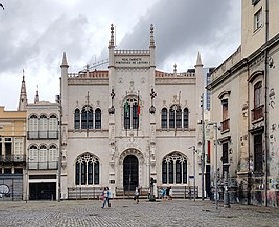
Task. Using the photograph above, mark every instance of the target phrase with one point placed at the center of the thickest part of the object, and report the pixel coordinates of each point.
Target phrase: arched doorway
(130, 173)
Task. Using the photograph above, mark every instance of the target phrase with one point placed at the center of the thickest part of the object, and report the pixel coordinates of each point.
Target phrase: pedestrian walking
(163, 193)
(167, 192)
(105, 197)
(137, 193)
(109, 197)
(170, 193)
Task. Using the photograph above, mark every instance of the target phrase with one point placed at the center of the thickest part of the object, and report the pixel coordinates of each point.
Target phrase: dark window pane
(96, 173)
(164, 172)
(164, 118)
(77, 119)
(178, 172)
(185, 172)
(171, 172)
(127, 116)
(98, 119)
(172, 118)
(186, 118)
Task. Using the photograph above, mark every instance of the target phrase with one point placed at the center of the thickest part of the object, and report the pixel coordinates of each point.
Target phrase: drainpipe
(249, 176)
(266, 86)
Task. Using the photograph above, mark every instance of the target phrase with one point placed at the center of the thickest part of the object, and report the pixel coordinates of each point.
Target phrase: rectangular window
(7, 170)
(19, 170)
(43, 127)
(127, 116)
(225, 153)
(96, 173)
(1, 146)
(53, 127)
(8, 147)
(164, 172)
(135, 117)
(257, 20)
(18, 146)
(164, 118)
(257, 94)
(185, 172)
(98, 120)
(43, 158)
(225, 109)
(258, 154)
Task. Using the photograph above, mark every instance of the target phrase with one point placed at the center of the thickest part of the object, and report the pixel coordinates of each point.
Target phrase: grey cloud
(180, 26)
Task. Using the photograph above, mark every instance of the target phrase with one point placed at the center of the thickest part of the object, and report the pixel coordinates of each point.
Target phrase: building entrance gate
(130, 173)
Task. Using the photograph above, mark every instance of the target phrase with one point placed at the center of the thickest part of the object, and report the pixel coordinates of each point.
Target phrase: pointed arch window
(179, 117)
(172, 118)
(97, 118)
(131, 110)
(186, 118)
(135, 116)
(87, 117)
(164, 118)
(77, 119)
(174, 169)
(87, 170)
(126, 115)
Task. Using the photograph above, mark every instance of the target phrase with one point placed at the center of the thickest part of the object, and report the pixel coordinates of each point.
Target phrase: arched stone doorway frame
(140, 157)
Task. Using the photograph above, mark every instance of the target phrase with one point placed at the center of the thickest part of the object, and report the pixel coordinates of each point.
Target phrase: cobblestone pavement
(128, 213)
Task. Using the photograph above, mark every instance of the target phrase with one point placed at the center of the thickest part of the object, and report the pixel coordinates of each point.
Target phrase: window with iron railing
(225, 124)
(257, 112)
(43, 127)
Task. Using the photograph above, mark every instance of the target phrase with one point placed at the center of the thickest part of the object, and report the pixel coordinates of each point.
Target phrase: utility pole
(58, 101)
(203, 144)
(215, 164)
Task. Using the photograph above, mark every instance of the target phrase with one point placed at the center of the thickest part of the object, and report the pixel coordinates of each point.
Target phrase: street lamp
(194, 170)
(203, 144)
(215, 164)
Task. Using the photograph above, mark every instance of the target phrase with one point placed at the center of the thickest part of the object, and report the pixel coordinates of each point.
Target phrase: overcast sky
(34, 34)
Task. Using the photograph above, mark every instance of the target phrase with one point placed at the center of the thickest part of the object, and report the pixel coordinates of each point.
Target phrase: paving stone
(127, 213)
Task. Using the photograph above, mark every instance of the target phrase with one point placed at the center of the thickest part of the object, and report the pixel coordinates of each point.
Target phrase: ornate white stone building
(122, 126)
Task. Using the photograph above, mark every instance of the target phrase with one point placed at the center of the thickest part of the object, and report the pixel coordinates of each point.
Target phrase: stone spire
(36, 98)
(64, 61)
(152, 41)
(23, 95)
(111, 42)
(198, 61)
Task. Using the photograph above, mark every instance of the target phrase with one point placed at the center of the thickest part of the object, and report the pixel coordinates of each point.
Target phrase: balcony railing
(225, 125)
(42, 135)
(42, 165)
(12, 158)
(257, 113)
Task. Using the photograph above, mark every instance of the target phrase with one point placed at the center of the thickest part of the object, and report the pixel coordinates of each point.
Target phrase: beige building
(243, 103)
(130, 123)
(42, 150)
(12, 154)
